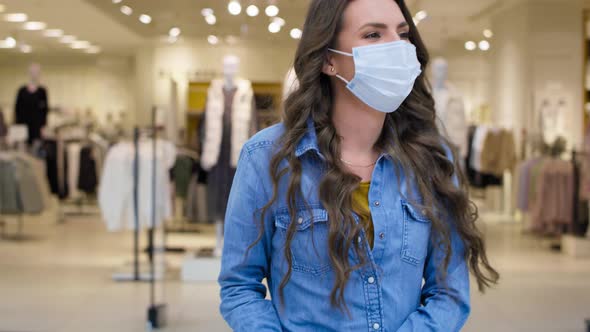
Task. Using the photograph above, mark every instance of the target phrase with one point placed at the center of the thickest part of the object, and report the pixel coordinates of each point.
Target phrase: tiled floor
(59, 281)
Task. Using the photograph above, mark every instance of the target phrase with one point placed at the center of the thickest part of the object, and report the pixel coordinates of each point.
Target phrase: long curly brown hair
(410, 136)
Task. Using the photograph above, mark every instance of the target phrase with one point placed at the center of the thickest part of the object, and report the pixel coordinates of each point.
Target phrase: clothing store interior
(121, 124)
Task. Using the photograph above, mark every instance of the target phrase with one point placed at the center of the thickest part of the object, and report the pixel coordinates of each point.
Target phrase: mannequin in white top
(449, 105)
(231, 65)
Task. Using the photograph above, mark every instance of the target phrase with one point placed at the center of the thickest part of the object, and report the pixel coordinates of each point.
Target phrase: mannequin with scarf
(449, 105)
(31, 105)
(229, 123)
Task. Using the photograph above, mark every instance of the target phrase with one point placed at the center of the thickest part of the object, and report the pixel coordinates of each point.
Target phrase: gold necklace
(360, 166)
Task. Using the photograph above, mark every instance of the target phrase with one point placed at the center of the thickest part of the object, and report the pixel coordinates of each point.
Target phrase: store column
(537, 52)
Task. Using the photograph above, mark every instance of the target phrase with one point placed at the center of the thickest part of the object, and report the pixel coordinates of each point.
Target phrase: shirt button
(360, 239)
(424, 212)
(371, 280)
(300, 221)
(376, 326)
(381, 236)
(377, 203)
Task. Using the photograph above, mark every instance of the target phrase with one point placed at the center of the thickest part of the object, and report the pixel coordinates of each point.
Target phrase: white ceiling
(102, 23)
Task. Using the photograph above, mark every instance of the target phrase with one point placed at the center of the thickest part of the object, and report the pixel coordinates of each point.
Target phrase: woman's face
(366, 22)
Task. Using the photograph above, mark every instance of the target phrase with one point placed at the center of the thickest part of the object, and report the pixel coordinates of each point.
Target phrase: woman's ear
(329, 67)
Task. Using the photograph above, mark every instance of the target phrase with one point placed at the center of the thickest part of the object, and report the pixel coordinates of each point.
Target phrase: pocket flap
(303, 218)
(413, 213)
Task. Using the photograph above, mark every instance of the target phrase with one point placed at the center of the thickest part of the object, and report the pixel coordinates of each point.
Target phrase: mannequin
(449, 105)
(229, 123)
(31, 105)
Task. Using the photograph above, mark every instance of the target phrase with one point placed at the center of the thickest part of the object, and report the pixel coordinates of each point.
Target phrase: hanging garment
(29, 193)
(9, 195)
(115, 193)
(241, 119)
(221, 176)
(31, 110)
(87, 172)
(39, 172)
(56, 167)
(477, 147)
(451, 118)
(182, 173)
(73, 169)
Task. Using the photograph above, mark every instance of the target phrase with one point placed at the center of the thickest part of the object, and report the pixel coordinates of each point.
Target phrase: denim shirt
(396, 291)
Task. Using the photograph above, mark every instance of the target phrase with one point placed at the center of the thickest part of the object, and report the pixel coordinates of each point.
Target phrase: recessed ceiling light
(26, 48)
(117, 1)
(206, 12)
(213, 40)
(274, 27)
(93, 50)
(80, 44)
(126, 10)
(488, 33)
(174, 32)
(484, 45)
(145, 19)
(296, 33)
(53, 33)
(279, 21)
(211, 19)
(234, 7)
(34, 26)
(272, 11)
(16, 17)
(252, 11)
(421, 15)
(8, 43)
(67, 39)
(470, 45)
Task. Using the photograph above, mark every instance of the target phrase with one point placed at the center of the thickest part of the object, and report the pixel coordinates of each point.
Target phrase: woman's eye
(373, 35)
(404, 35)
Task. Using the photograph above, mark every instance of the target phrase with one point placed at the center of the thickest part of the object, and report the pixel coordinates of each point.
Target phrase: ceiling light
(126, 10)
(26, 48)
(252, 11)
(9, 42)
(211, 19)
(234, 7)
(296, 33)
(279, 21)
(67, 39)
(421, 15)
(117, 1)
(274, 27)
(93, 50)
(484, 45)
(34, 26)
(145, 19)
(81, 44)
(272, 10)
(53, 33)
(174, 32)
(470, 45)
(213, 40)
(488, 33)
(206, 12)
(16, 17)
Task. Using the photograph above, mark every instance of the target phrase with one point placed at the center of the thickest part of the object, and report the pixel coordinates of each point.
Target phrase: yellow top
(360, 205)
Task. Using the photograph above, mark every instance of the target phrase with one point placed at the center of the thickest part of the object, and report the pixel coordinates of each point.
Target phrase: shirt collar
(309, 142)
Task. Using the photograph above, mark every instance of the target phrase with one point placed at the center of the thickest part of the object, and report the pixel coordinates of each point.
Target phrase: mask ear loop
(343, 53)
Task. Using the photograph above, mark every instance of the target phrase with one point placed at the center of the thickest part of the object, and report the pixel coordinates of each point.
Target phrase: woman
(353, 201)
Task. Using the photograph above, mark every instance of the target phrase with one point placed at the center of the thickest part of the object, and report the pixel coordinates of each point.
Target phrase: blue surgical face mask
(384, 74)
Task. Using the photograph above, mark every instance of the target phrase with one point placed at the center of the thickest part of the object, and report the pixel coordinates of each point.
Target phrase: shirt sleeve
(445, 307)
(243, 303)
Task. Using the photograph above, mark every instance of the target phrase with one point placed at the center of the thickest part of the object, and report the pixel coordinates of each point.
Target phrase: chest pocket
(416, 235)
(309, 247)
